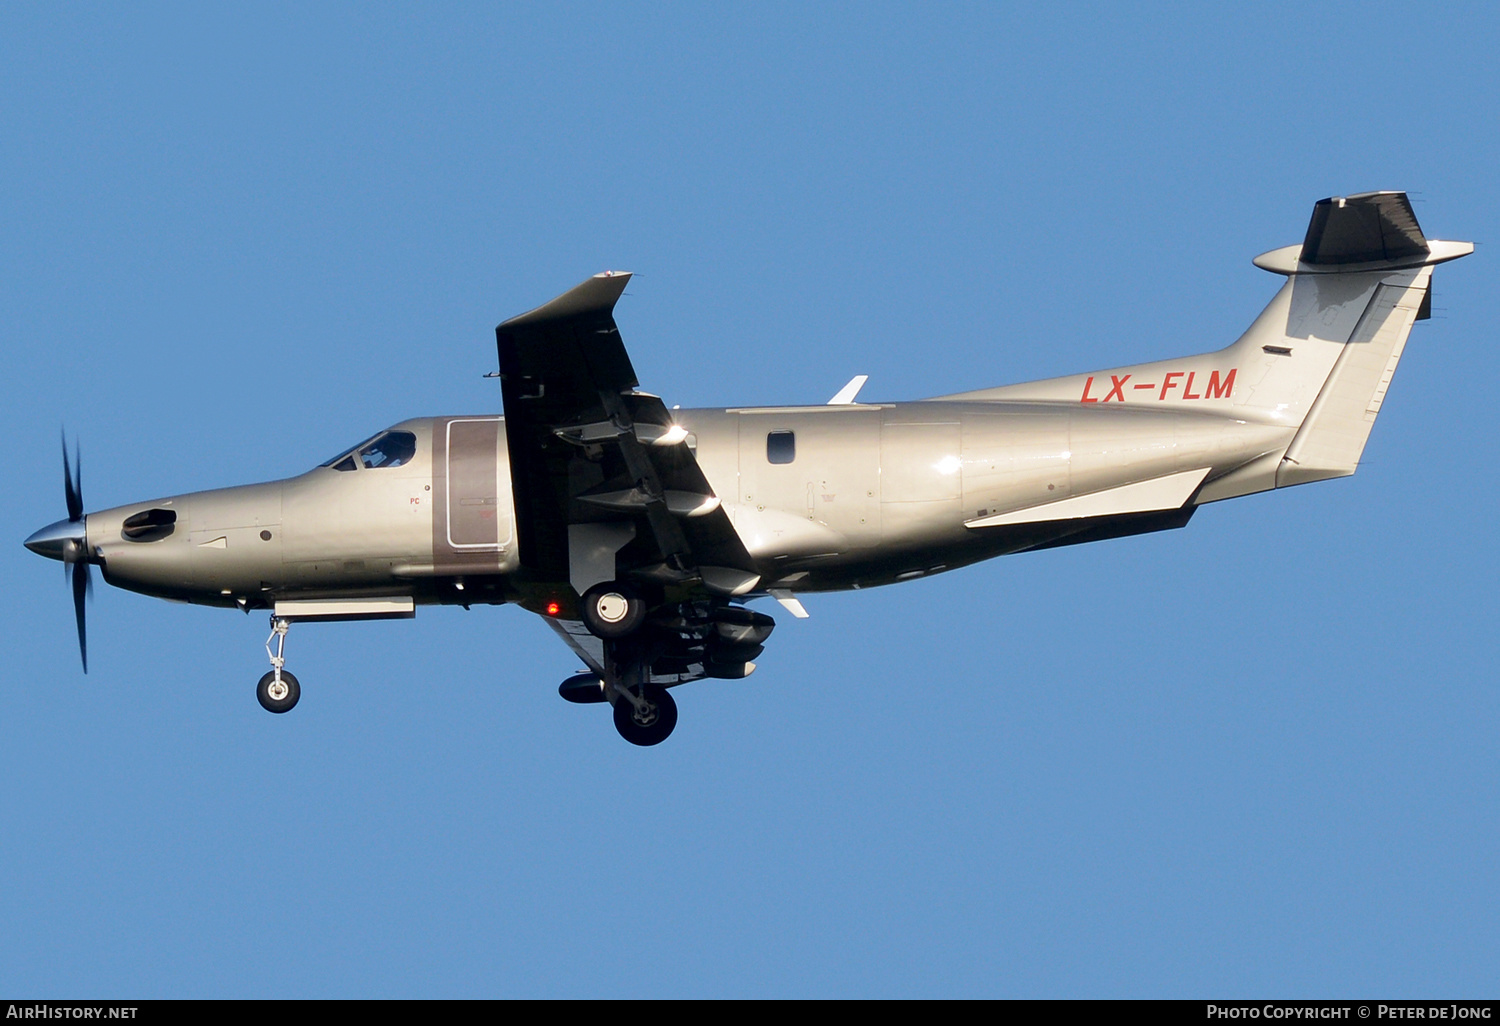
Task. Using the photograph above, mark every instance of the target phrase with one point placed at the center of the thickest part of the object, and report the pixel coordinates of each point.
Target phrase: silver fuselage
(634, 528)
(872, 494)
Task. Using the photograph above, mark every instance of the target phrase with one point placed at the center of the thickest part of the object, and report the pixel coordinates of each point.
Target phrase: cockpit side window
(392, 449)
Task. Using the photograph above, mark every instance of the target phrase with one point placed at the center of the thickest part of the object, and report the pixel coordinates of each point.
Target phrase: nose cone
(56, 541)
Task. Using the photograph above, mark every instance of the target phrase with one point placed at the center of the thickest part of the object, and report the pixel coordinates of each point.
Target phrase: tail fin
(1317, 360)
(1370, 248)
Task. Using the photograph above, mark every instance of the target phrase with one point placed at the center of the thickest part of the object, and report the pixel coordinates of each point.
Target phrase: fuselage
(823, 497)
(638, 531)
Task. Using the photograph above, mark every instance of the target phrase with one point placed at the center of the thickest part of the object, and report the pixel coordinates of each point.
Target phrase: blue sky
(1254, 757)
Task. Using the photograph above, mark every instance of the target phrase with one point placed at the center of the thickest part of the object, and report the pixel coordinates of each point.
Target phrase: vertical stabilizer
(1333, 434)
(1370, 239)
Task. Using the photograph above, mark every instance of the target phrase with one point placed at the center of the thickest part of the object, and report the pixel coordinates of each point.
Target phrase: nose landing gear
(278, 694)
(278, 691)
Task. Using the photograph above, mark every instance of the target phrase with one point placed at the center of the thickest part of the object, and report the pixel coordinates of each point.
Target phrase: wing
(605, 486)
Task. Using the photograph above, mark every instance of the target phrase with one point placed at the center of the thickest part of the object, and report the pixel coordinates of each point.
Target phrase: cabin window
(781, 446)
(392, 449)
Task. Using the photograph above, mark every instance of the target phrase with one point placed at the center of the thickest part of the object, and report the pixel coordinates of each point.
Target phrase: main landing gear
(278, 691)
(644, 714)
(645, 719)
(675, 644)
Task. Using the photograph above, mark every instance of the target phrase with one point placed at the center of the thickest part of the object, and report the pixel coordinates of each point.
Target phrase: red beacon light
(553, 609)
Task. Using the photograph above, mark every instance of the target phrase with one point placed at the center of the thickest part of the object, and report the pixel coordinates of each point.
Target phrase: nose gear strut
(278, 691)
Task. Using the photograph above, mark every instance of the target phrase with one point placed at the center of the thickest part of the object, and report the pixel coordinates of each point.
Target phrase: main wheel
(612, 610)
(654, 726)
(278, 698)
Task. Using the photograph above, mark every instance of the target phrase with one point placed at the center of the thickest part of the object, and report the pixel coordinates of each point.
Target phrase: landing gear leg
(644, 714)
(278, 690)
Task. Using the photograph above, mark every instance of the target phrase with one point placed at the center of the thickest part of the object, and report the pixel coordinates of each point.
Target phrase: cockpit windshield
(392, 449)
(387, 449)
(349, 452)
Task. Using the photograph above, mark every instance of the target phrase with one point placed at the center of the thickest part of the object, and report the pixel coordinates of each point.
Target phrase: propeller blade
(83, 586)
(72, 487)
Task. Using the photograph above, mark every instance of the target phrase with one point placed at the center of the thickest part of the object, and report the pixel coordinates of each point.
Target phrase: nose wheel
(278, 691)
(278, 694)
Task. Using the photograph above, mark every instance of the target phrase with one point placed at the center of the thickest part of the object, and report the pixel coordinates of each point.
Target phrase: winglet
(542, 349)
(597, 295)
(846, 394)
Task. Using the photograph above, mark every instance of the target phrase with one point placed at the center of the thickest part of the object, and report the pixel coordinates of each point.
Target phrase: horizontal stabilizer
(1363, 228)
(1159, 493)
(1372, 231)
